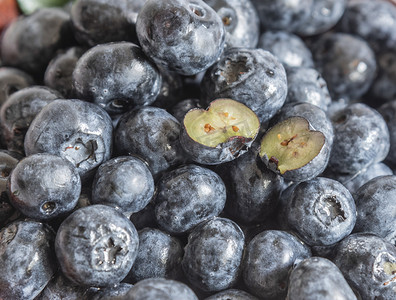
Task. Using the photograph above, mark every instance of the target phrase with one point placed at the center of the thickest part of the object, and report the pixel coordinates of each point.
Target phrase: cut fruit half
(290, 145)
(221, 133)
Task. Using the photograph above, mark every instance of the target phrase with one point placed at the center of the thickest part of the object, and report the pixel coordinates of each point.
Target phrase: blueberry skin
(159, 255)
(43, 186)
(269, 257)
(324, 15)
(322, 211)
(368, 264)
(76, 130)
(374, 21)
(117, 77)
(213, 255)
(232, 294)
(27, 259)
(252, 189)
(11, 81)
(58, 74)
(19, 110)
(307, 85)
(361, 138)
(96, 246)
(388, 111)
(241, 22)
(254, 77)
(160, 288)
(346, 62)
(51, 30)
(180, 109)
(125, 183)
(375, 207)
(153, 134)
(317, 278)
(161, 30)
(288, 48)
(91, 19)
(110, 293)
(283, 14)
(188, 196)
(61, 288)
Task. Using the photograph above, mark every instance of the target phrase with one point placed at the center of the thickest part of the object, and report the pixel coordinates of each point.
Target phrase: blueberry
(375, 207)
(346, 62)
(368, 263)
(160, 28)
(18, 112)
(232, 294)
(78, 131)
(159, 255)
(109, 293)
(269, 257)
(153, 134)
(388, 111)
(30, 42)
(96, 246)
(361, 138)
(307, 85)
(288, 48)
(318, 278)
(11, 81)
(160, 288)
(236, 76)
(322, 211)
(241, 22)
(43, 186)
(180, 109)
(27, 259)
(58, 74)
(123, 182)
(213, 255)
(188, 196)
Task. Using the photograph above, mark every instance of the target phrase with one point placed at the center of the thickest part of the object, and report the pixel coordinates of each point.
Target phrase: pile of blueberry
(199, 149)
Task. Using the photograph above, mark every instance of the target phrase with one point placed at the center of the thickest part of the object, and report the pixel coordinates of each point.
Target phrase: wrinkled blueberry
(188, 196)
(96, 246)
(27, 259)
(43, 186)
(78, 131)
(213, 255)
(161, 29)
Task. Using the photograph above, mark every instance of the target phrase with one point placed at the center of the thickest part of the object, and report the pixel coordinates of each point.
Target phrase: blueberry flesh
(91, 20)
(11, 81)
(213, 255)
(160, 28)
(43, 186)
(27, 259)
(288, 48)
(96, 246)
(252, 189)
(375, 207)
(346, 62)
(236, 74)
(241, 22)
(233, 294)
(269, 257)
(19, 110)
(368, 263)
(123, 182)
(31, 41)
(361, 138)
(317, 278)
(117, 77)
(283, 14)
(322, 211)
(151, 133)
(159, 255)
(307, 85)
(188, 196)
(58, 74)
(77, 131)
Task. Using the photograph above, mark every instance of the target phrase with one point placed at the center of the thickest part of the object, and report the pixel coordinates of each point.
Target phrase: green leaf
(29, 6)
